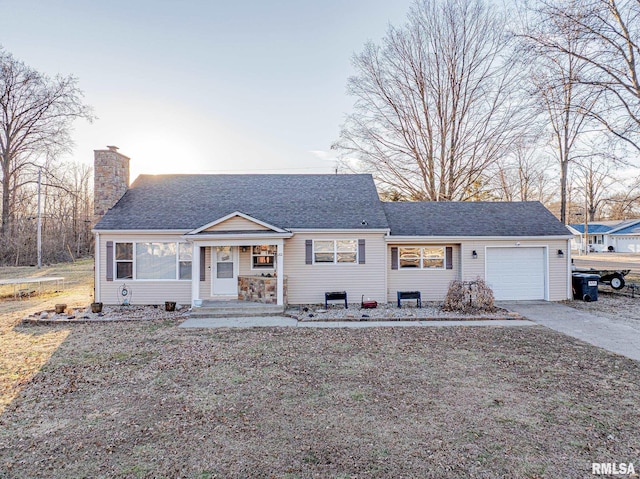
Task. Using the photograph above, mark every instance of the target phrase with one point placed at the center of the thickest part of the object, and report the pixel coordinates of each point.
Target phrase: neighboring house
(619, 236)
(626, 237)
(291, 238)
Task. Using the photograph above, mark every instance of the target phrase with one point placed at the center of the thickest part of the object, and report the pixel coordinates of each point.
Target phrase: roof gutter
(410, 239)
(144, 232)
(223, 236)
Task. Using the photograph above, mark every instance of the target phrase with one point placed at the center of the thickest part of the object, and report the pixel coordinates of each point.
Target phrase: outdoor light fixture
(474, 254)
(560, 253)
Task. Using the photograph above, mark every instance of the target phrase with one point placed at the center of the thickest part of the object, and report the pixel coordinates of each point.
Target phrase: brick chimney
(110, 179)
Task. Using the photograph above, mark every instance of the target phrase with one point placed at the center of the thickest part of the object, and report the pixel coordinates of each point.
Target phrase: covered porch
(238, 267)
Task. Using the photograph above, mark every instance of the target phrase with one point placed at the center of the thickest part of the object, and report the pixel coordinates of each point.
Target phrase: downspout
(387, 268)
(96, 279)
(569, 271)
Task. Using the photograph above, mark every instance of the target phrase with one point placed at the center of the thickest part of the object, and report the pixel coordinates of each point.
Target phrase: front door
(224, 271)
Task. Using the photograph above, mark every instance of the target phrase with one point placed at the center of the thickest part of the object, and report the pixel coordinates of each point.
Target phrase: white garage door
(516, 273)
(628, 244)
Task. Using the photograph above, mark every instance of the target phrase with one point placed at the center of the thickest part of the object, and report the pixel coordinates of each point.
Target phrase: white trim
(338, 230)
(569, 272)
(280, 273)
(455, 239)
(232, 242)
(242, 236)
(233, 215)
(195, 273)
(96, 277)
(141, 232)
(387, 269)
(517, 246)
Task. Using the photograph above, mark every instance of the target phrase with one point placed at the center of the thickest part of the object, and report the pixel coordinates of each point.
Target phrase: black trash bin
(585, 286)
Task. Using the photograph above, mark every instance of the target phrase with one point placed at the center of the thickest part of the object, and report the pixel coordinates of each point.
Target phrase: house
(291, 238)
(622, 236)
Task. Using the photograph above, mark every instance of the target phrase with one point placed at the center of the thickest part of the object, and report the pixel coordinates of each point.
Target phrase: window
(422, 257)
(124, 260)
(335, 251)
(155, 260)
(263, 257)
(184, 260)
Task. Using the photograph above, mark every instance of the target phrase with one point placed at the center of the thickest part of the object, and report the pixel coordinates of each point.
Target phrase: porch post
(195, 273)
(280, 272)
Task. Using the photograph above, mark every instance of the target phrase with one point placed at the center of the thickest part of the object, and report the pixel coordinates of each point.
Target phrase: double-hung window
(185, 257)
(124, 260)
(335, 251)
(422, 257)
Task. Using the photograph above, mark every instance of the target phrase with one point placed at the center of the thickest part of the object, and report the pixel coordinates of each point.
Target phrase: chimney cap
(112, 148)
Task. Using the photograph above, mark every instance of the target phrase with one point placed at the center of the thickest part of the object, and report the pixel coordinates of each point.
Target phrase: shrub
(469, 297)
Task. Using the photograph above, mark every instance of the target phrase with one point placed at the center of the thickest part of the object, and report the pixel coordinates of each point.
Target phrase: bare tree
(67, 214)
(434, 103)
(625, 203)
(523, 176)
(609, 32)
(595, 180)
(36, 113)
(554, 75)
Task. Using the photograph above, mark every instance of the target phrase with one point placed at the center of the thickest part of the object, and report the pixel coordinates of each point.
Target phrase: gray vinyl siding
(142, 291)
(432, 284)
(307, 283)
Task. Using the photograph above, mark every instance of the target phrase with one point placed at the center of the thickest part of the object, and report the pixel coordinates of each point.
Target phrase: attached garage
(517, 273)
(627, 244)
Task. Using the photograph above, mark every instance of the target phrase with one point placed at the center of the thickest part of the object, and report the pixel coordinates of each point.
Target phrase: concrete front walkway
(282, 321)
(596, 330)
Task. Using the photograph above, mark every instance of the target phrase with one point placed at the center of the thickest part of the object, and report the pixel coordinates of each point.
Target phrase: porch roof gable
(261, 226)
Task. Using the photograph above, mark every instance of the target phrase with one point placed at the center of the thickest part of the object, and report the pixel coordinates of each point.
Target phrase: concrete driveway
(596, 330)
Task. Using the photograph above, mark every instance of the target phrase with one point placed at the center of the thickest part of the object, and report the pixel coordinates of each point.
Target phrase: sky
(204, 86)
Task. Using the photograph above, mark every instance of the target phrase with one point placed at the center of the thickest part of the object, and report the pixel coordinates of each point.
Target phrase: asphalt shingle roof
(472, 219)
(594, 228)
(285, 201)
(633, 229)
(187, 202)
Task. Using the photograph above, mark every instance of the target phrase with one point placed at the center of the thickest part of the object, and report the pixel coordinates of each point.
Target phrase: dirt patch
(148, 399)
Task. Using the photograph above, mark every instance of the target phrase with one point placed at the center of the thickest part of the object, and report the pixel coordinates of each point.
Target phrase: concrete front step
(237, 311)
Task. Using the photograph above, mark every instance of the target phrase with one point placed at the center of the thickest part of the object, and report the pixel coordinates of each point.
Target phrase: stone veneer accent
(110, 180)
(260, 289)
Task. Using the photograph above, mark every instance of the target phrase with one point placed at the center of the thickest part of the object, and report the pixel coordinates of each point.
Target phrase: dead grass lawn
(151, 400)
(23, 354)
(137, 400)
